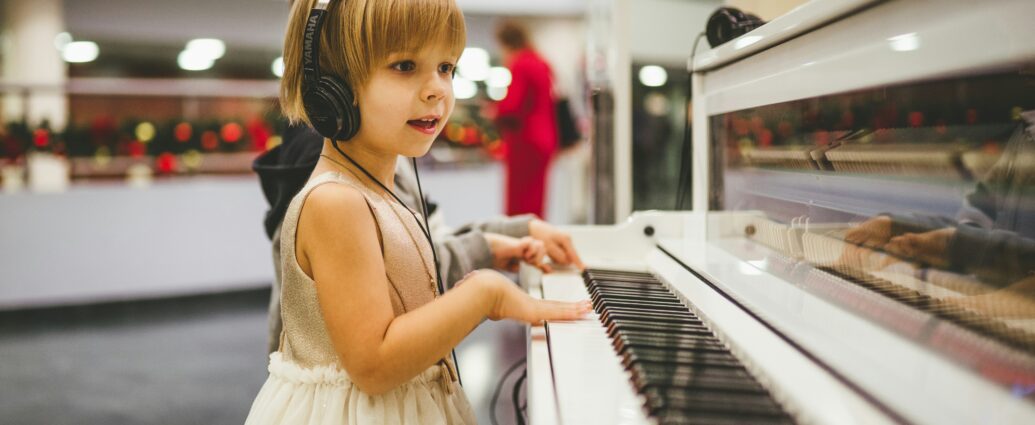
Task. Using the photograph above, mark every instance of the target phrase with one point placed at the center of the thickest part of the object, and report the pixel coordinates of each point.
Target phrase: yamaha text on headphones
(328, 101)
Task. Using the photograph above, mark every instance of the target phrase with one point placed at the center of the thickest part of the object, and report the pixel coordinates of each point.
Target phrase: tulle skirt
(324, 395)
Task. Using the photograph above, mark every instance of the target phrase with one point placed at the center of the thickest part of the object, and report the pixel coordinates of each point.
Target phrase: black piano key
(705, 379)
(625, 327)
(612, 316)
(638, 321)
(632, 309)
(706, 383)
(645, 306)
(656, 292)
(703, 333)
(656, 354)
(631, 342)
(680, 417)
(630, 295)
(610, 293)
(636, 286)
(630, 313)
(680, 358)
(712, 402)
(685, 373)
(617, 274)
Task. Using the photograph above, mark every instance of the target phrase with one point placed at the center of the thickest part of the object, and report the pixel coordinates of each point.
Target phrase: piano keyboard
(679, 366)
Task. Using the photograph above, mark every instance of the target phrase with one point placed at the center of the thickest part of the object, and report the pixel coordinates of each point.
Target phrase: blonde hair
(358, 35)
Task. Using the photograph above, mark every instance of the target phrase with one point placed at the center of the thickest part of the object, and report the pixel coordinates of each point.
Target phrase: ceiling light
(464, 88)
(499, 77)
(190, 60)
(80, 52)
(497, 93)
(211, 48)
(474, 64)
(653, 76)
(278, 67)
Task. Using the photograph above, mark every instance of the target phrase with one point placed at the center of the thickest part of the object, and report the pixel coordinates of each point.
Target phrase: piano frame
(781, 331)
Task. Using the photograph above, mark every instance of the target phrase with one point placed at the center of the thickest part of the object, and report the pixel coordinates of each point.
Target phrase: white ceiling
(246, 24)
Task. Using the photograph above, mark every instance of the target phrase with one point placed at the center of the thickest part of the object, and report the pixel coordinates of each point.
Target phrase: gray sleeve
(516, 226)
(997, 256)
(461, 254)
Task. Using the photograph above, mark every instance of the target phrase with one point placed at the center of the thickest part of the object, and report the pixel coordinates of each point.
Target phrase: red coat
(527, 121)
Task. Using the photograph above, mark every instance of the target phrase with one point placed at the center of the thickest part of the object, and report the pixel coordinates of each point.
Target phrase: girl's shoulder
(336, 213)
(334, 197)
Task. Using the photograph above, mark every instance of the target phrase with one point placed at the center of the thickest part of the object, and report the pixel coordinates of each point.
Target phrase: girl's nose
(434, 89)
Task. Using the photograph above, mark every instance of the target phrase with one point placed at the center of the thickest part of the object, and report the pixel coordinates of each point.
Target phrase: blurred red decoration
(765, 138)
(209, 140)
(260, 133)
(102, 129)
(166, 163)
(182, 132)
(136, 149)
(231, 132)
(916, 119)
(497, 150)
(471, 135)
(41, 137)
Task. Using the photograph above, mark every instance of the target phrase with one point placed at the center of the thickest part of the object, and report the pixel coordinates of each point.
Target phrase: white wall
(767, 10)
(663, 31)
(104, 242)
(107, 241)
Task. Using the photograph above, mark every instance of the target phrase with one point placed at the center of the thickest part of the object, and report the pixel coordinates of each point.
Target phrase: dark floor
(195, 360)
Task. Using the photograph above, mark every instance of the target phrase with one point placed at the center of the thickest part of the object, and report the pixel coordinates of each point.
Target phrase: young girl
(366, 337)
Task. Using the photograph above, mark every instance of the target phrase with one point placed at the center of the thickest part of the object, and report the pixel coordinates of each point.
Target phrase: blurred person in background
(527, 121)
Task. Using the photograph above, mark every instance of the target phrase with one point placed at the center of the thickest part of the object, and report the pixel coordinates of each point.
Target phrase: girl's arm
(338, 243)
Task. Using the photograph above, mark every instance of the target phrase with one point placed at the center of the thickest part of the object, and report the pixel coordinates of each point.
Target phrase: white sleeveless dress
(306, 384)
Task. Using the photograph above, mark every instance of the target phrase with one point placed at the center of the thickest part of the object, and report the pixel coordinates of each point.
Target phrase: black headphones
(329, 102)
(728, 23)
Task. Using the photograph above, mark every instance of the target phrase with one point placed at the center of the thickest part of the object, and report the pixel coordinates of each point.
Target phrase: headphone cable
(425, 229)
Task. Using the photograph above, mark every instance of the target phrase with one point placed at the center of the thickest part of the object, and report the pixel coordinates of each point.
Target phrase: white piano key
(591, 385)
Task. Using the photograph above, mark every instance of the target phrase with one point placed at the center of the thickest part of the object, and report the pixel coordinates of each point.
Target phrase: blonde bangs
(358, 35)
(412, 25)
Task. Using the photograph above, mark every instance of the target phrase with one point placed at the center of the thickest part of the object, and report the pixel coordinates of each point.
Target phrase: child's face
(407, 100)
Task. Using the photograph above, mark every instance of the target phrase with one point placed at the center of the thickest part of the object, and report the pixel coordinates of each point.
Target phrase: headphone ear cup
(345, 104)
(324, 114)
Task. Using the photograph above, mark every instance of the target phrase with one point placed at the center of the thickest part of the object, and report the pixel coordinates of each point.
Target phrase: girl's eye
(447, 68)
(404, 66)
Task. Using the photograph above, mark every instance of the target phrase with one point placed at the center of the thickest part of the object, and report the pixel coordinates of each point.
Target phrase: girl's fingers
(572, 256)
(557, 310)
(557, 254)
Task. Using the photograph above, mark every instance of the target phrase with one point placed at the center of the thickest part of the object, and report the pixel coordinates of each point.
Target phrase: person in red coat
(527, 122)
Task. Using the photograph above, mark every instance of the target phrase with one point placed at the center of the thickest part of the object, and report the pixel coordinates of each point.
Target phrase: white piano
(811, 133)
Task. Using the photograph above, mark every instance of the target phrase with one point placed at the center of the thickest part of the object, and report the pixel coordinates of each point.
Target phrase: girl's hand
(508, 252)
(558, 243)
(510, 302)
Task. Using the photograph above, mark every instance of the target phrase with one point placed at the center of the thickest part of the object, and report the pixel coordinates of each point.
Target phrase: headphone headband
(311, 43)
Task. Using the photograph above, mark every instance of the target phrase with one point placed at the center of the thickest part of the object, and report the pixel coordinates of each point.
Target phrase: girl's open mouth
(426, 126)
